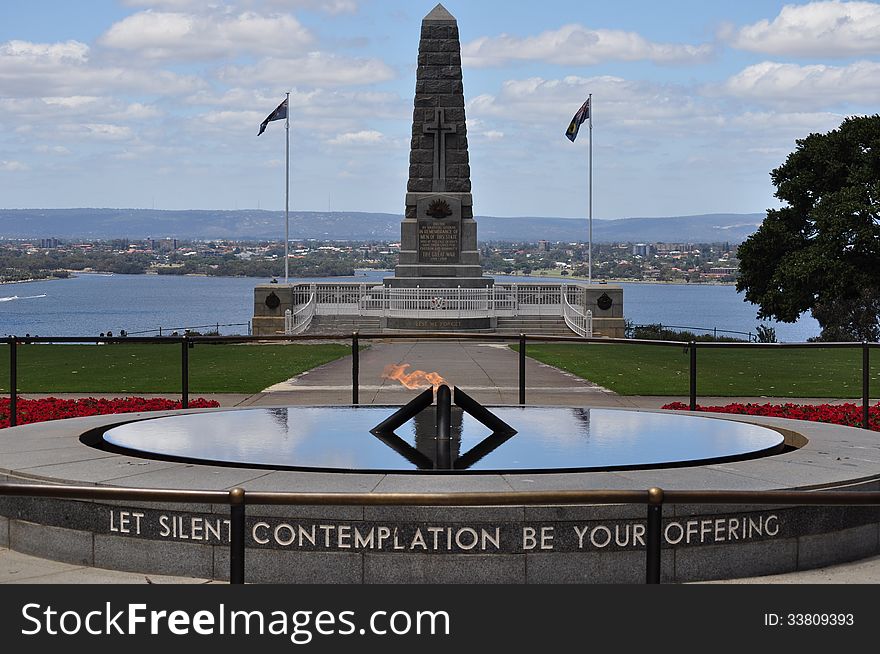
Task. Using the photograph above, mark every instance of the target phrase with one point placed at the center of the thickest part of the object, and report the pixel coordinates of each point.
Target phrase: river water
(89, 304)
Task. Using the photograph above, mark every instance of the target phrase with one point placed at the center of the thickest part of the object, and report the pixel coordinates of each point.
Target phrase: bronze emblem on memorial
(273, 301)
(439, 209)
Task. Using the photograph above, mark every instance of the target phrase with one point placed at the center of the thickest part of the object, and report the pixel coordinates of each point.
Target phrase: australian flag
(579, 119)
(280, 113)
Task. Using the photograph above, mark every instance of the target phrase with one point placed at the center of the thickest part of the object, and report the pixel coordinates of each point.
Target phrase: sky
(157, 103)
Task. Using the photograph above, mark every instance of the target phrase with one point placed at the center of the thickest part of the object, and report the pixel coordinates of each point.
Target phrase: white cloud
(322, 113)
(364, 137)
(25, 52)
(616, 101)
(578, 45)
(792, 122)
(59, 150)
(85, 109)
(232, 119)
(830, 29)
(182, 36)
(13, 166)
(96, 131)
(66, 70)
(136, 111)
(814, 86)
(73, 101)
(314, 69)
(332, 7)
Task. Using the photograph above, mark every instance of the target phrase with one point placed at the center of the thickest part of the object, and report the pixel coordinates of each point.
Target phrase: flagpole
(590, 274)
(287, 196)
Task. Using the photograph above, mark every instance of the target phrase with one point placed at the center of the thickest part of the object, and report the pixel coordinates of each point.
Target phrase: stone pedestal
(438, 247)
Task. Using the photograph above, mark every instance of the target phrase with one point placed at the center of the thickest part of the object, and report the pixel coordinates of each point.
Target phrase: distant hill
(269, 225)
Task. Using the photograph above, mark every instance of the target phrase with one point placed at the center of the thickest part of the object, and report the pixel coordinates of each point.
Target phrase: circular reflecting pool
(547, 439)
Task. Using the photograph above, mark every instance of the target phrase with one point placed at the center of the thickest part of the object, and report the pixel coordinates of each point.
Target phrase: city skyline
(157, 103)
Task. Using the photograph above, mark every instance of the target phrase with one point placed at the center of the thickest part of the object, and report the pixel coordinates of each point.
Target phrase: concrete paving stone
(152, 556)
(824, 549)
(866, 571)
(593, 567)
(57, 543)
(788, 474)
(572, 481)
(458, 569)
(695, 478)
(191, 477)
(443, 484)
(314, 482)
(17, 567)
(30, 461)
(98, 470)
(101, 576)
(743, 560)
(19, 445)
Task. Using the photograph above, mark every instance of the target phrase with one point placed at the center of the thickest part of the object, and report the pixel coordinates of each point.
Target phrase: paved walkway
(17, 568)
(488, 372)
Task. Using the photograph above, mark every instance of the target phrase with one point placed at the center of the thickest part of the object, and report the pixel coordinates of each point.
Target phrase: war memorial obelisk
(439, 235)
(438, 284)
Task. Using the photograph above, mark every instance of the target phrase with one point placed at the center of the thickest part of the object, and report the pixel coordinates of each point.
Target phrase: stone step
(538, 325)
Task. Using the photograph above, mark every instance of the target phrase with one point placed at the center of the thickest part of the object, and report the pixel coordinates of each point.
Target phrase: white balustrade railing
(578, 319)
(296, 322)
(507, 300)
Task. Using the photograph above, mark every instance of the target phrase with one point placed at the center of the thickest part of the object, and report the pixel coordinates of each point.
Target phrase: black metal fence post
(444, 429)
(693, 375)
(866, 384)
(653, 535)
(522, 369)
(184, 372)
(355, 368)
(236, 536)
(13, 382)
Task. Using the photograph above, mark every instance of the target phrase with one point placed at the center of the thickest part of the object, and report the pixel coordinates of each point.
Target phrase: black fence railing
(356, 338)
(178, 331)
(654, 498)
(751, 336)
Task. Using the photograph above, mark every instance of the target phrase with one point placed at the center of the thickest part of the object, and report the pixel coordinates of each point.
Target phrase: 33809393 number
(820, 619)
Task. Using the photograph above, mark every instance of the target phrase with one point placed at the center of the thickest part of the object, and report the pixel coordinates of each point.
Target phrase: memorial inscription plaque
(439, 231)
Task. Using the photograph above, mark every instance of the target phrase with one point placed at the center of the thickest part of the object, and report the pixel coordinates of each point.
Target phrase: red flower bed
(53, 408)
(839, 414)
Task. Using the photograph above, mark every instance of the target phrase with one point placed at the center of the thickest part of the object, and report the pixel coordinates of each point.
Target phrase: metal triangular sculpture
(443, 459)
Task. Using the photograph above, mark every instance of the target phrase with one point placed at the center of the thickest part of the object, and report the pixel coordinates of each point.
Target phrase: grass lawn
(144, 368)
(653, 370)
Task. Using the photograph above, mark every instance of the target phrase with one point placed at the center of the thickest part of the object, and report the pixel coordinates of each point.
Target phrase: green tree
(820, 251)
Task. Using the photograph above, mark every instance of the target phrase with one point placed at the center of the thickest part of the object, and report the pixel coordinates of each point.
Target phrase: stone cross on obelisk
(439, 128)
(438, 246)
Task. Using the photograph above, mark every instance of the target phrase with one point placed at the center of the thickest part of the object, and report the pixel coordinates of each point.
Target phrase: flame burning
(413, 380)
